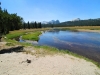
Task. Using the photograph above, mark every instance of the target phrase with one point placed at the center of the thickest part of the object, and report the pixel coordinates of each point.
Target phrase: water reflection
(84, 43)
(20, 39)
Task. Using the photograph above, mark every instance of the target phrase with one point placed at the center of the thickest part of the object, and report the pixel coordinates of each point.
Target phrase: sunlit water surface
(83, 43)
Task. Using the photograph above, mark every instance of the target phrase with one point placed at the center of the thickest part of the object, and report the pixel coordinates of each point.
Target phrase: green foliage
(30, 25)
(9, 22)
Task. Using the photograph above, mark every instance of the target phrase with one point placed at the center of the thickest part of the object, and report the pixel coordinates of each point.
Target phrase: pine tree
(35, 24)
(28, 25)
(9, 21)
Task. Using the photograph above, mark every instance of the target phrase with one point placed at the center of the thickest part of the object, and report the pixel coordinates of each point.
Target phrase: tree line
(10, 22)
(31, 25)
(88, 22)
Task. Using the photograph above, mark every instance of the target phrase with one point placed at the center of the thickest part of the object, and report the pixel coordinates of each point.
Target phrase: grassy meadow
(32, 36)
(28, 34)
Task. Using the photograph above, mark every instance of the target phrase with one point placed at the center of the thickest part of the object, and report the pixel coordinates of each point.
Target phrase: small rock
(28, 61)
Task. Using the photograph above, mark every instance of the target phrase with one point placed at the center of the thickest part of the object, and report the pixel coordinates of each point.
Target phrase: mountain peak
(51, 22)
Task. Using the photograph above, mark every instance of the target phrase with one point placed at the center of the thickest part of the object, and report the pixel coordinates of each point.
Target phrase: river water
(83, 43)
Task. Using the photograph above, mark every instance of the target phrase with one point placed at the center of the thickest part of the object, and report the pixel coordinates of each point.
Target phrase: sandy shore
(15, 64)
(87, 30)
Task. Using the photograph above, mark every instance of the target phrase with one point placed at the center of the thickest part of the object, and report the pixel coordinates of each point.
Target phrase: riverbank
(44, 61)
(83, 28)
(87, 30)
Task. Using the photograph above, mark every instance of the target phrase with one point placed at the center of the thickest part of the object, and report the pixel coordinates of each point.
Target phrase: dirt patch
(11, 64)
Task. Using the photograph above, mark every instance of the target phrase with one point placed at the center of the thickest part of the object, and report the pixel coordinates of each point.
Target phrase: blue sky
(46, 10)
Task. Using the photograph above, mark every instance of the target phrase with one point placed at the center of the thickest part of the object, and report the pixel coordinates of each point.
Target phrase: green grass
(32, 36)
(14, 35)
(11, 41)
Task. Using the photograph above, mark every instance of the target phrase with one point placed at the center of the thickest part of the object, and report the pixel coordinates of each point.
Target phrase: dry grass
(39, 51)
(42, 51)
(83, 27)
(29, 30)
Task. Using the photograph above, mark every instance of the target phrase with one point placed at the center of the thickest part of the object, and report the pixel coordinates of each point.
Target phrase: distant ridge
(51, 22)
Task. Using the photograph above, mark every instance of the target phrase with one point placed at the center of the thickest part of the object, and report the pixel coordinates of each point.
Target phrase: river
(83, 43)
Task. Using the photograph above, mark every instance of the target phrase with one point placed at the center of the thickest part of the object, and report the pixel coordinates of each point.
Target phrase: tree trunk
(0, 38)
